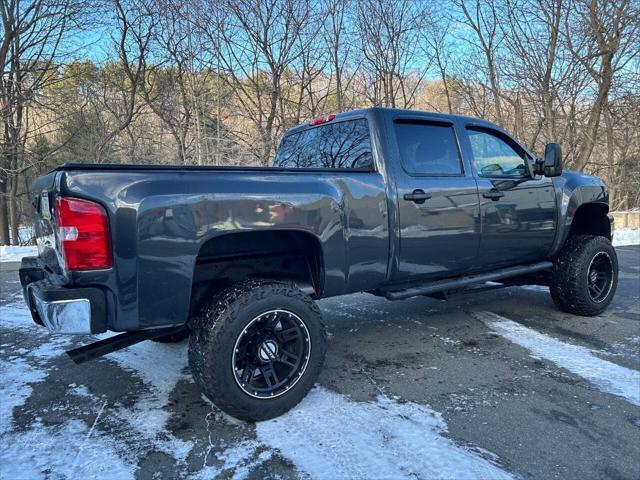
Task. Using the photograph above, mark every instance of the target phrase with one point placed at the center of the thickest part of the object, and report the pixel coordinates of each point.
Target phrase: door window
(494, 157)
(427, 148)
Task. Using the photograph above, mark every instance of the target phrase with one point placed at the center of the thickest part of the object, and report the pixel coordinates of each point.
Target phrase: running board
(118, 342)
(455, 283)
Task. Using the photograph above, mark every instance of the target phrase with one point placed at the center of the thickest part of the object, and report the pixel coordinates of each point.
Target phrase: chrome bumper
(60, 308)
(64, 316)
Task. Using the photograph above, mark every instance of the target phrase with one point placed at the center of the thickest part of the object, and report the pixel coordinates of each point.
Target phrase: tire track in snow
(607, 376)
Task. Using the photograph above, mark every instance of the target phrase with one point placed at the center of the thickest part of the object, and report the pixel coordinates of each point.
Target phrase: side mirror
(551, 164)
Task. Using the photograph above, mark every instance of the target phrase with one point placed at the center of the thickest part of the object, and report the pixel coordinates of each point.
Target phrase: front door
(438, 205)
(517, 208)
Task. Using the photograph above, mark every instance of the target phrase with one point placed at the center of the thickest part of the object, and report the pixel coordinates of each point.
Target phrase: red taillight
(83, 233)
(322, 119)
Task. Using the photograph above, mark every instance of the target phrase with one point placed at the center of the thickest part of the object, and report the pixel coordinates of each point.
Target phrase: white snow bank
(15, 253)
(607, 376)
(626, 236)
(329, 436)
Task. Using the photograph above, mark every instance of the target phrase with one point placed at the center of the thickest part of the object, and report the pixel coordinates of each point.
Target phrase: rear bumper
(61, 309)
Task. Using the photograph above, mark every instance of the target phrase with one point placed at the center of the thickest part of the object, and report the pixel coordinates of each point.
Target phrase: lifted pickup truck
(392, 202)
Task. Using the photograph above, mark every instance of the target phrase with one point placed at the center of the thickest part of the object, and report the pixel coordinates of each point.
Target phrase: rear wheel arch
(292, 255)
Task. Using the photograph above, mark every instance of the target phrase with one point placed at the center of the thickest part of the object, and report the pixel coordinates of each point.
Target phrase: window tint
(494, 157)
(428, 148)
(334, 145)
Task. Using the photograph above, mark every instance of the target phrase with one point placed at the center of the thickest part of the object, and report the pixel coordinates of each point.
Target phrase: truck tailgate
(43, 219)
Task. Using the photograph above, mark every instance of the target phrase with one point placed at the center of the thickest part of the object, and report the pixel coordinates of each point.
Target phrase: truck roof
(362, 112)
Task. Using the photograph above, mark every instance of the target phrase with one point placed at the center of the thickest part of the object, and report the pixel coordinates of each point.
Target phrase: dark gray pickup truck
(392, 202)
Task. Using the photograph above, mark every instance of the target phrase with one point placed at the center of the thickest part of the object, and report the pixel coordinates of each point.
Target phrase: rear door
(517, 208)
(437, 201)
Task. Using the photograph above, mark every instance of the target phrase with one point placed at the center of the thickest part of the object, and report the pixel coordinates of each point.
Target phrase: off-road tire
(215, 331)
(569, 276)
(173, 338)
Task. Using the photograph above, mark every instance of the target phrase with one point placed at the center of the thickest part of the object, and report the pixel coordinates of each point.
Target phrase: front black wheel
(585, 275)
(257, 348)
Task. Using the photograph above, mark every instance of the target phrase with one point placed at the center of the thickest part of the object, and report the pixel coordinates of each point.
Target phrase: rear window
(428, 148)
(333, 145)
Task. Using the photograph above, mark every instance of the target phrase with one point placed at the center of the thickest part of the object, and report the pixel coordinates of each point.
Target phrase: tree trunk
(13, 210)
(4, 213)
(611, 163)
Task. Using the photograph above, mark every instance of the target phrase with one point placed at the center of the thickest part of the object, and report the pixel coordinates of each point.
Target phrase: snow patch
(53, 453)
(15, 253)
(607, 376)
(160, 367)
(15, 379)
(536, 288)
(329, 436)
(17, 317)
(49, 452)
(626, 236)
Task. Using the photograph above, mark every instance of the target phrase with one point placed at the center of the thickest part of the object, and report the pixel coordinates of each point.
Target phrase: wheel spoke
(271, 322)
(269, 374)
(287, 335)
(597, 290)
(288, 358)
(247, 374)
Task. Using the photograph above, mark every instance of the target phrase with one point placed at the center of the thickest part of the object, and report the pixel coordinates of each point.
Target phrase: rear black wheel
(271, 354)
(257, 348)
(585, 275)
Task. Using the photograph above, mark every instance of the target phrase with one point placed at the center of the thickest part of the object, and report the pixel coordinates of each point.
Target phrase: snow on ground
(326, 436)
(148, 418)
(329, 436)
(71, 450)
(15, 253)
(607, 376)
(626, 236)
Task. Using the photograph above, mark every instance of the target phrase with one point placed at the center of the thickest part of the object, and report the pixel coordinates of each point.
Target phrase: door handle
(417, 196)
(493, 194)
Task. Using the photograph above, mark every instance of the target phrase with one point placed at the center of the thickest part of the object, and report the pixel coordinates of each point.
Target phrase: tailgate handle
(493, 194)
(417, 196)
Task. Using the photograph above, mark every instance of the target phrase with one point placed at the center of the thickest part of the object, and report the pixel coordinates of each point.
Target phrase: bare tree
(169, 80)
(121, 91)
(483, 19)
(389, 36)
(436, 32)
(258, 42)
(536, 64)
(339, 46)
(31, 45)
(603, 37)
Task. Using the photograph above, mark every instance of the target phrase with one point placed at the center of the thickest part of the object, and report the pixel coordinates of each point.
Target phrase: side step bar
(118, 342)
(455, 283)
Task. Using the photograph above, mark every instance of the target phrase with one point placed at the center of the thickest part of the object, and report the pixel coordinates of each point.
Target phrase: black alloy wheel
(600, 277)
(271, 354)
(257, 347)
